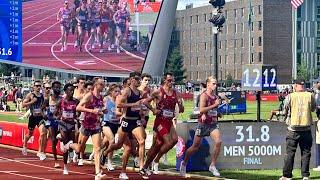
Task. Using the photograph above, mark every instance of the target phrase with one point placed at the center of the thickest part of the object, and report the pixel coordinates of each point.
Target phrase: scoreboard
(11, 30)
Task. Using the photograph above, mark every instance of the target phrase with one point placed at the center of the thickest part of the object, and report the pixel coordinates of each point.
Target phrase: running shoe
(62, 49)
(284, 178)
(214, 171)
(101, 51)
(118, 50)
(123, 176)
(136, 162)
(24, 151)
(75, 156)
(80, 163)
(99, 176)
(91, 156)
(143, 173)
(56, 165)
(109, 48)
(42, 156)
(183, 169)
(62, 147)
(58, 136)
(110, 167)
(65, 171)
(155, 168)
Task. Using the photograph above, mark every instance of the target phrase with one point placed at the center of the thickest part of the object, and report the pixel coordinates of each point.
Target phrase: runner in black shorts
(131, 103)
(111, 121)
(35, 101)
(66, 112)
(82, 16)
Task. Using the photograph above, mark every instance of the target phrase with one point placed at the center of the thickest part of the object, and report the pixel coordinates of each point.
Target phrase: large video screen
(87, 36)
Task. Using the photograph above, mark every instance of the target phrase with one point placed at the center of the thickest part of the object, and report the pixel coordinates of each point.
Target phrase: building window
(260, 41)
(190, 19)
(318, 43)
(205, 46)
(260, 56)
(241, 59)
(242, 45)
(235, 13)
(226, 59)
(220, 44)
(252, 58)
(259, 9)
(299, 12)
(198, 47)
(298, 43)
(252, 26)
(226, 14)
(205, 17)
(220, 60)
(252, 41)
(242, 12)
(242, 27)
(197, 61)
(235, 43)
(197, 18)
(318, 28)
(260, 25)
(318, 59)
(226, 45)
(298, 58)
(198, 77)
(318, 11)
(299, 27)
(235, 28)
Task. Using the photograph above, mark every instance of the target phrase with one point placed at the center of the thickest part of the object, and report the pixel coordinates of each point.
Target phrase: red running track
(15, 166)
(41, 44)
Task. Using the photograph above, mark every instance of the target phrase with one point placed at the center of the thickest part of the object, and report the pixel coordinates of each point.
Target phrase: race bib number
(124, 124)
(105, 20)
(212, 113)
(168, 113)
(47, 123)
(67, 115)
(37, 111)
(65, 16)
(139, 123)
(198, 132)
(82, 18)
(52, 109)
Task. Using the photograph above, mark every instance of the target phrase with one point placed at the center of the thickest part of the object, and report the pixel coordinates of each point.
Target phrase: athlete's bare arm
(29, 100)
(86, 99)
(58, 112)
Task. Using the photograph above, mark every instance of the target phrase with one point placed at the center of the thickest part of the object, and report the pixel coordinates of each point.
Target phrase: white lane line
(39, 166)
(28, 5)
(86, 47)
(37, 8)
(38, 21)
(8, 171)
(131, 54)
(43, 12)
(55, 56)
(40, 33)
(33, 177)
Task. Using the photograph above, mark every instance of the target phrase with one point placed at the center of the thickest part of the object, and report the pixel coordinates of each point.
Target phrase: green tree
(303, 71)
(174, 65)
(6, 69)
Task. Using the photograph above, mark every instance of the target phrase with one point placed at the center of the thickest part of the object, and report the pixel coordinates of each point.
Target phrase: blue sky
(196, 3)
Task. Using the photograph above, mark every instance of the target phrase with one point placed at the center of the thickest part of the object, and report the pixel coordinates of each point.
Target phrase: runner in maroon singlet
(92, 106)
(207, 126)
(66, 112)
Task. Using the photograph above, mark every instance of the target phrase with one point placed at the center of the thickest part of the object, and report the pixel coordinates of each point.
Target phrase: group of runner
(87, 111)
(106, 23)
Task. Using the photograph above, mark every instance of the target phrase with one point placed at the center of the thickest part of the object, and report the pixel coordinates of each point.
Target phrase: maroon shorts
(162, 127)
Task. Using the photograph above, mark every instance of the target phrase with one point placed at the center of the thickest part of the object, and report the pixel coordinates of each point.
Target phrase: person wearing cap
(64, 17)
(300, 103)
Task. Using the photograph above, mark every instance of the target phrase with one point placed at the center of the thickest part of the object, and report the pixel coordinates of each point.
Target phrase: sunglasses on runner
(170, 80)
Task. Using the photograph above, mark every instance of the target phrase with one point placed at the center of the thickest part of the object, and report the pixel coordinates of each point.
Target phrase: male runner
(92, 106)
(166, 97)
(207, 126)
(35, 102)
